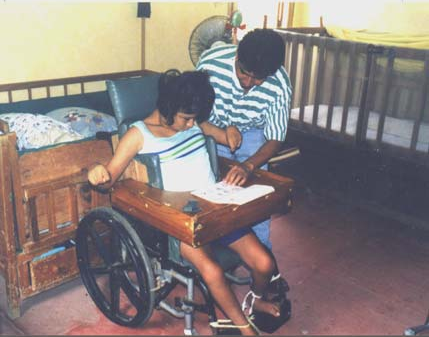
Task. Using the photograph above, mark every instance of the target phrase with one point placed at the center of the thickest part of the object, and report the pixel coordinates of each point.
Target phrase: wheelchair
(129, 266)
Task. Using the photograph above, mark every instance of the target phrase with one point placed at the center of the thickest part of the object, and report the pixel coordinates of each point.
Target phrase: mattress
(396, 131)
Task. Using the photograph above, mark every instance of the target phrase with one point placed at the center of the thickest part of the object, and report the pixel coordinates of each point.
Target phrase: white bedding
(396, 131)
(35, 131)
(58, 126)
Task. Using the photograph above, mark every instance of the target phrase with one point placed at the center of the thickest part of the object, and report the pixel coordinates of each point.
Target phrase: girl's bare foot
(267, 307)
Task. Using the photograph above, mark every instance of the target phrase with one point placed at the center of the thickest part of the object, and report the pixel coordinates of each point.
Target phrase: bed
(365, 96)
(44, 191)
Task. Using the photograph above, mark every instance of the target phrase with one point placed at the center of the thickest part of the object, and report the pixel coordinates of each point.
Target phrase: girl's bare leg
(213, 276)
(262, 266)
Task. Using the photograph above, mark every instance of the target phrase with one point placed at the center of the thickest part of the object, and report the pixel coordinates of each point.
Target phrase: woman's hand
(233, 137)
(98, 175)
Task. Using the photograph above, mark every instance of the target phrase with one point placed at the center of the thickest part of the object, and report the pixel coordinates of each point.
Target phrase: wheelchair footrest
(181, 302)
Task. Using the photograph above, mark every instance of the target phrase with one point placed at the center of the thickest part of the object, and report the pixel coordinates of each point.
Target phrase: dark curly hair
(189, 92)
(262, 52)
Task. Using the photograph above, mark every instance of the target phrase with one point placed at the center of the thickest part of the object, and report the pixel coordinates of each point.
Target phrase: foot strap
(227, 323)
(254, 296)
(275, 277)
(253, 325)
(244, 305)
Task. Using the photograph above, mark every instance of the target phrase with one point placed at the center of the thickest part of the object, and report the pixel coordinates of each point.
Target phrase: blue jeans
(252, 141)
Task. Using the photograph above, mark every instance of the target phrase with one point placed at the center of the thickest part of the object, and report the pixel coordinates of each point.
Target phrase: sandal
(265, 321)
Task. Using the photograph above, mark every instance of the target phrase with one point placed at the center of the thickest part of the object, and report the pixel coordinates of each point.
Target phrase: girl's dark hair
(189, 92)
(262, 52)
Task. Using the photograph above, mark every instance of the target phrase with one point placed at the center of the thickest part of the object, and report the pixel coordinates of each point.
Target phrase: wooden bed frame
(355, 93)
(43, 195)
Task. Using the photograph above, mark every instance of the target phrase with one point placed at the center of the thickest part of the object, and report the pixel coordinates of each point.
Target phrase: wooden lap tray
(163, 209)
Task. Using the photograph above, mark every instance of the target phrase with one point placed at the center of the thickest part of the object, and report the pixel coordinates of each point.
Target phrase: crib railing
(13, 92)
(355, 93)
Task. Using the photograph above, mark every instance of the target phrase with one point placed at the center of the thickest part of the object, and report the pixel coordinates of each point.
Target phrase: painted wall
(394, 16)
(254, 11)
(42, 40)
(402, 17)
(168, 31)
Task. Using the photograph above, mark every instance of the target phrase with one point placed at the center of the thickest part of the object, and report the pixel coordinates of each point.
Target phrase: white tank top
(185, 164)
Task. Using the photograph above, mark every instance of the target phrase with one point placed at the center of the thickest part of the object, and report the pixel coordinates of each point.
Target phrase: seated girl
(172, 131)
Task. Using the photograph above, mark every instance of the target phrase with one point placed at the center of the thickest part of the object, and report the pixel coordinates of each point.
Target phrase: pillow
(34, 131)
(87, 122)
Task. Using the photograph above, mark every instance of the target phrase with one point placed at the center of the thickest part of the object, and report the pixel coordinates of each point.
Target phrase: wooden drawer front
(53, 269)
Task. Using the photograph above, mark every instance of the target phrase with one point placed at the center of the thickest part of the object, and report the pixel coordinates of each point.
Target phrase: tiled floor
(351, 272)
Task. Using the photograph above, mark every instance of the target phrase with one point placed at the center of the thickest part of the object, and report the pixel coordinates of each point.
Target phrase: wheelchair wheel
(115, 267)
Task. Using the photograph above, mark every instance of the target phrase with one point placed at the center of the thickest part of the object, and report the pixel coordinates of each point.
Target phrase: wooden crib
(365, 96)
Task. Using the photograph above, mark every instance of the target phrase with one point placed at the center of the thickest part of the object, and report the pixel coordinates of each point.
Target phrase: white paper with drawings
(222, 193)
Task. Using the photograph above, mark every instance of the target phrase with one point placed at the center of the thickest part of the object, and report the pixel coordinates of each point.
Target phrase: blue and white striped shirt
(266, 106)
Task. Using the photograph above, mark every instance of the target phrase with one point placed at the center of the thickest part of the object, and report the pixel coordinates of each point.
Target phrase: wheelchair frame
(143, 271)
(119, 247)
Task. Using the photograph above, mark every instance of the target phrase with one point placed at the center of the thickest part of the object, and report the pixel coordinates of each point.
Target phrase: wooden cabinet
(43, 196)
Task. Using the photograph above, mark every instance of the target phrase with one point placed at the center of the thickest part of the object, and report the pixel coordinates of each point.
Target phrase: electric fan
(211, 31)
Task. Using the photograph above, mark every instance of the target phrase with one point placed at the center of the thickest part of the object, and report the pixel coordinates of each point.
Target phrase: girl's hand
(98, 175)
(233, 137)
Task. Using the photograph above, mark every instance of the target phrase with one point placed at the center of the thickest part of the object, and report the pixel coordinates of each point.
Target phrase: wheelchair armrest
(153, 167)
(214, 161)
(284, 154)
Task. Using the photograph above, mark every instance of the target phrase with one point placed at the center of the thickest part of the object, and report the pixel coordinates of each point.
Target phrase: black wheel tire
(115, 267)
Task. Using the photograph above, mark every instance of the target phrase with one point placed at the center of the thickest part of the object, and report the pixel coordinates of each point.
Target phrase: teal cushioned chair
(132, 98)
